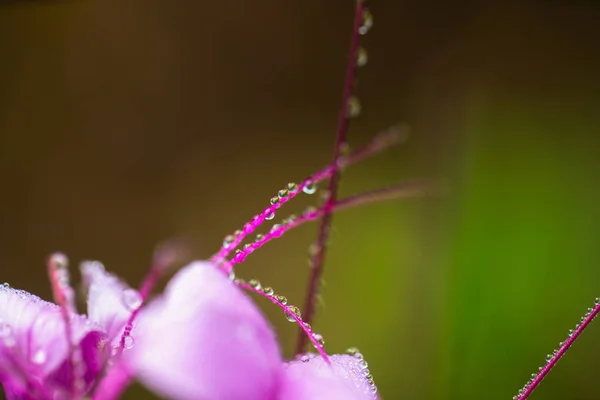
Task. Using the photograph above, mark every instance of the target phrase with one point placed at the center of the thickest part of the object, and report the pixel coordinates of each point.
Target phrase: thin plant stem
(340, 141)
(289, 313)
(405, 190)
(382, 141)
(552, 359)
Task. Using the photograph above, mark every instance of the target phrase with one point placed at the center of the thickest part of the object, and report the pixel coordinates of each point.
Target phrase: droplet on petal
(132, 299)
(316, 380)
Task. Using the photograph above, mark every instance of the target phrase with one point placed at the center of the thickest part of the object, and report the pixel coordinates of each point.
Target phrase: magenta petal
(110, 301)
(94, 353)
(33, 340)
(310, 378)
(205, 339)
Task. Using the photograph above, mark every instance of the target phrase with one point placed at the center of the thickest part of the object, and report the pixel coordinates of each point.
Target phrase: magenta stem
(404, 190)
(317, 264)
(382, 141)
(298, 320)
(530, 386)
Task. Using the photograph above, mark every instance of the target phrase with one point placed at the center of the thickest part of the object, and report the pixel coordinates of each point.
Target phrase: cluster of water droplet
(277, 230)
(553, 357)
(361, 365)
(353, 106)
(291, 312)
(364, 366)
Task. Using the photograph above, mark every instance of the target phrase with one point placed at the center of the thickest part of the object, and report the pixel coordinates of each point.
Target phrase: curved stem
(297, 319)
(340, 141)
(384, 140)
(404, 190)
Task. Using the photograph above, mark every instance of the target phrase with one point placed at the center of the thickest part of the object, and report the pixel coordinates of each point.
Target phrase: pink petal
(205, 339)
(310, 378)
(33, 340)
(110, 301)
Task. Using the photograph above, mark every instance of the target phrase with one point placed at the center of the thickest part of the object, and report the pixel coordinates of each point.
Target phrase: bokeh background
(126, 123)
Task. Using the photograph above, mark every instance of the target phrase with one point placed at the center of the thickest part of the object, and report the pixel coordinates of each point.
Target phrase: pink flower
(39, 358)
(205, 339)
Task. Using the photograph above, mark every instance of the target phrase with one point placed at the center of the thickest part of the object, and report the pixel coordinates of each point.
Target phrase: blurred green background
(125, 123)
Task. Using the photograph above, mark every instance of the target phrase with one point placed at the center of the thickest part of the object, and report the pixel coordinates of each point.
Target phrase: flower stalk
(349, 107)
(552, 358)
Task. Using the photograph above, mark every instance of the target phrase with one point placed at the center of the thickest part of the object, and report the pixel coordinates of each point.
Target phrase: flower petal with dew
(110, 301)
(310, 377)
(34, 350)
(205, 339)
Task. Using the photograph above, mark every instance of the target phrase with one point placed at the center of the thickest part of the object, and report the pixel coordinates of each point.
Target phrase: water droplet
(248, 248)
(232, 276)
(325, 194)
(283, 193)
(259, 237)
(282, 299)
(292, 310)
(363, 364)
(309, 210)
(39, 357)
(548, 357)
(237, 233)
(292, 187)
(228, 240)
(366, 372)
(353, 107)
(361, 57)
(319, 338)
(345, 149)
(308, 327)
(128, 342)
(59, 261)
(571, 332)
(270, 216)
(5, 330)
(352, 350)
(6, 335)
(132, 299)
(275, 228)
(304, 358)
(597, 300)
(274, 200)
(240, 281)
(255, 284)
(310, 188)
(367, 22)
(268, 291)
(6, 285)
(290, 220)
